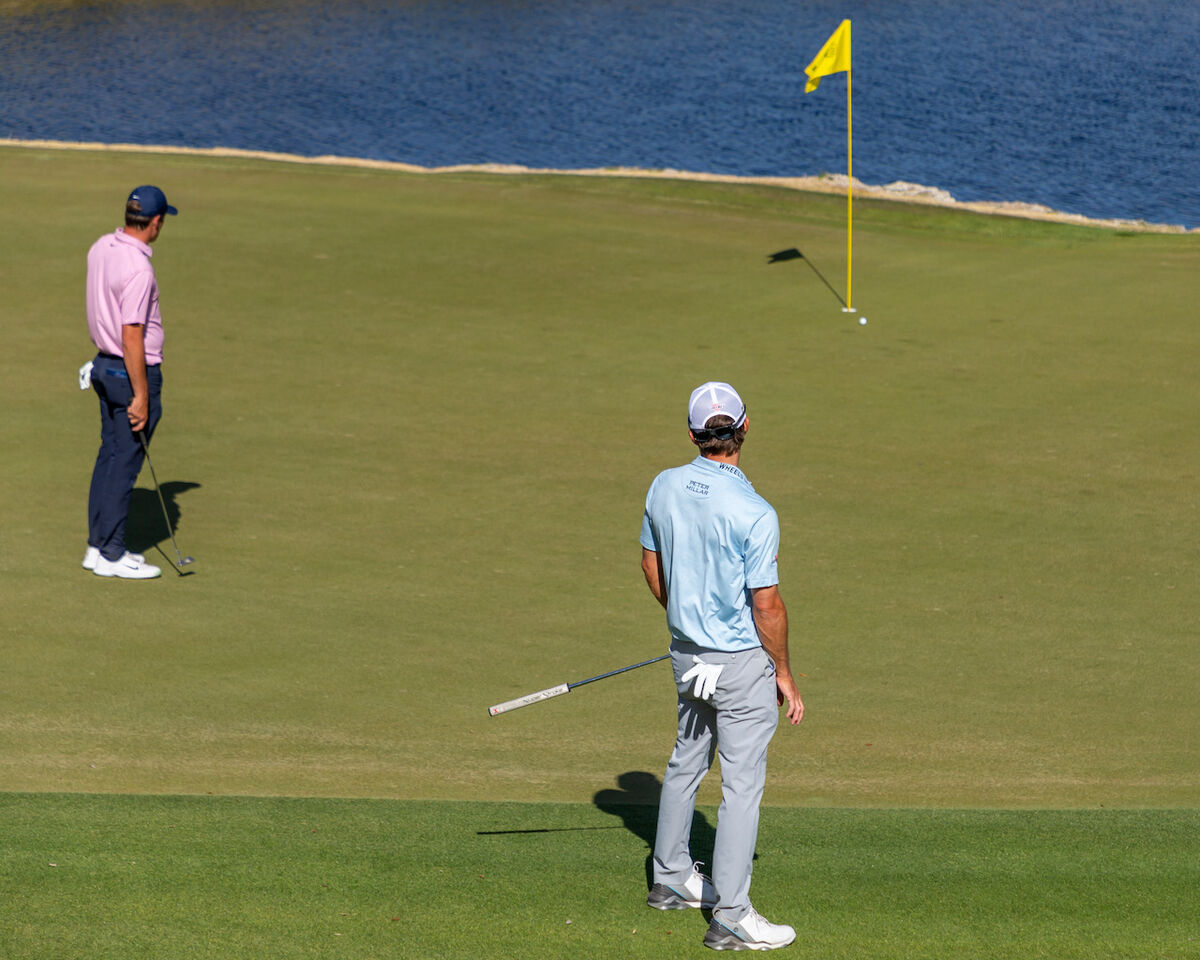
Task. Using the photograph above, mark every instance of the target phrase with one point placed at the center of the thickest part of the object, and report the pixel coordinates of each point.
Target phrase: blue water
(1086, 106)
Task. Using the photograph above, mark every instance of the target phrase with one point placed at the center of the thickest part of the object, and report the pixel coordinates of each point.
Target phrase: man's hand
(785, 689)
(138, 412)
(771, 622)
(133, 339)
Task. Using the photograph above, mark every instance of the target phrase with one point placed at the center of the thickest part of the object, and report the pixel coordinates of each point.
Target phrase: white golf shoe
(132, 566)
(92, 554)
(752, 932)
(696, 891)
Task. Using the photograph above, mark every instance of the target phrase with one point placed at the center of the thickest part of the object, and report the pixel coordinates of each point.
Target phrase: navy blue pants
(120, 458)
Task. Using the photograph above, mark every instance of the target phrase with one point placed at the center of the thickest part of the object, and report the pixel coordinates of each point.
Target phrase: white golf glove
(85, 376)
(706, 678)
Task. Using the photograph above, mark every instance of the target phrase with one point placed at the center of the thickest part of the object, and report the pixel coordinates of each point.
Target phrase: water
(1086, 106)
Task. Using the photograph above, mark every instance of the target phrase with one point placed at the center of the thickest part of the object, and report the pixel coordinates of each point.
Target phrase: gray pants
(737, 724)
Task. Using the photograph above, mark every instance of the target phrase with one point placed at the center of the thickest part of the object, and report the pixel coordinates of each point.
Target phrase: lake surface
(1090, 107)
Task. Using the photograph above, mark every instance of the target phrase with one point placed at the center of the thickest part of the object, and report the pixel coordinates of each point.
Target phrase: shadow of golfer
(146, 526)
(636, 803)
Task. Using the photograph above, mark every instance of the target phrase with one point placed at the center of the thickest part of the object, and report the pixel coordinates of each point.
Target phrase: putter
(183, 561)
(563, 688)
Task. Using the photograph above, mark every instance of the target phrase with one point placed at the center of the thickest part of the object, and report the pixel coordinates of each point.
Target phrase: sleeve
(647, 538)
(137, 298)
(762, 552)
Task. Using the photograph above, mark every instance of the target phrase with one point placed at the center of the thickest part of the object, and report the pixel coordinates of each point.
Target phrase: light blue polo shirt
(718, 539)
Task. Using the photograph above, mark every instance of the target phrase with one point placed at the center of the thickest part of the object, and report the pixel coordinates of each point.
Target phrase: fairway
(409, 422)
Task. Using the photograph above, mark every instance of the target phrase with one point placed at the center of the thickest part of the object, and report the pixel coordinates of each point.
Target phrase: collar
(715, 465)
(123, 237)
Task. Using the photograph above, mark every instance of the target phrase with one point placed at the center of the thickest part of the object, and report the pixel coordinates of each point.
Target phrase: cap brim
(171, 210)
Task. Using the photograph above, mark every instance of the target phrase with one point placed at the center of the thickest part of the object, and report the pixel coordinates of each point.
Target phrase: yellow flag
(834, 57)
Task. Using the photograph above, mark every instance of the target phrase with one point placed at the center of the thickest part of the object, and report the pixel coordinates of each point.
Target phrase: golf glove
(705, 675)
(85, 376)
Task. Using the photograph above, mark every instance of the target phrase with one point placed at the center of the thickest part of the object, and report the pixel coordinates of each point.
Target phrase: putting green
(409, 423)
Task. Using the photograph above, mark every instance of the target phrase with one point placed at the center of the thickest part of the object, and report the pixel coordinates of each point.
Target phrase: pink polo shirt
(121, 289)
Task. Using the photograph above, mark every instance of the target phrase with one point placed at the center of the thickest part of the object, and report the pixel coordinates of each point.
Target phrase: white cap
(715, 399)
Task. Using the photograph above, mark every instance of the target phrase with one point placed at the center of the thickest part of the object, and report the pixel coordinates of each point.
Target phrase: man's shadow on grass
(146, 526)
(636, 803)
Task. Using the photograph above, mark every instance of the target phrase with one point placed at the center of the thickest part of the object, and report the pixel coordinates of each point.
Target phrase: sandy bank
(899, 191)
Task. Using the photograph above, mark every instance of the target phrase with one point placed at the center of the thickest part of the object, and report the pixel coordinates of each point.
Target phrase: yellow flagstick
(834, 57)
(849, 188)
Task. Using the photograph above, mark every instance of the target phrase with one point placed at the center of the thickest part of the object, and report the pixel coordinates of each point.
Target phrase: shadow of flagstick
(793, 254)
(501, 833)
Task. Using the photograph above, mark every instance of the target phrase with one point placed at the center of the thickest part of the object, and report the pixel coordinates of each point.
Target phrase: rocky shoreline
(899, 191)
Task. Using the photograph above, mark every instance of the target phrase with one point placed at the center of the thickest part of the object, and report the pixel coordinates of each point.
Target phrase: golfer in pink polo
(126, 326)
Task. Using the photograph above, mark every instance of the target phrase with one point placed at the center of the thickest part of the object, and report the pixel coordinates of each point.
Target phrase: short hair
(727, 447)
(134, 216)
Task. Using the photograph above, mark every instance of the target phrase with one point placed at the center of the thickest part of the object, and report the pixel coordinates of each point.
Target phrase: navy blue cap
(150, 202)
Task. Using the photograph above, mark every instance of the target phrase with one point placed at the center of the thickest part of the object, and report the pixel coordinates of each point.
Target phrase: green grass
(409, 425)
(125, 877)
(422, 412)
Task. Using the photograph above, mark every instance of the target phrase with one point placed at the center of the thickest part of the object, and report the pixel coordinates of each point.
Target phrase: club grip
(528, 699)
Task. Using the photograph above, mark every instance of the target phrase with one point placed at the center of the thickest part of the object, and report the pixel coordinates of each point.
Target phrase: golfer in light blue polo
(710, 549)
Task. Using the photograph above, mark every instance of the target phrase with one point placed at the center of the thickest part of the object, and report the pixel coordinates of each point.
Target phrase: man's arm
(770, 619)
(133, 342)
(653, 571)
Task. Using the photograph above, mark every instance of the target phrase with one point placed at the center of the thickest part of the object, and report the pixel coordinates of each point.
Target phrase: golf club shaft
(562, 688)
(613, 673)
(158, 490)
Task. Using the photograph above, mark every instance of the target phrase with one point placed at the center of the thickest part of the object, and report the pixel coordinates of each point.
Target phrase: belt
(113, 356)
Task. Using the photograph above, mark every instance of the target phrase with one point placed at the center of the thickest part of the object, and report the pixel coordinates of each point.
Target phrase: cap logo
(719, 399)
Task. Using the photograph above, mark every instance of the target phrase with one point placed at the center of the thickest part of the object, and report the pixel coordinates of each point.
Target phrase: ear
(692, 437)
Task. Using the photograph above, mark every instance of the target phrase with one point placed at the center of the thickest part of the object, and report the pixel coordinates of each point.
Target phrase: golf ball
(862, 321)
